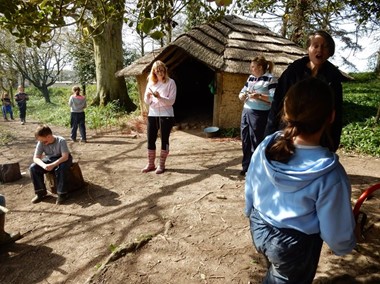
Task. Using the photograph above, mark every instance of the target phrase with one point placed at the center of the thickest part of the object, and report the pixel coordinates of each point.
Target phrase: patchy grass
(6, 137)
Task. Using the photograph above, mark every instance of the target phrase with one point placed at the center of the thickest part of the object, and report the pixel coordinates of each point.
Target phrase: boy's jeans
(61, 173)
(293, 255)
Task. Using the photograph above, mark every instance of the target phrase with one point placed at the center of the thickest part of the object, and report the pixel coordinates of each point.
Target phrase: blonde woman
(160, 95)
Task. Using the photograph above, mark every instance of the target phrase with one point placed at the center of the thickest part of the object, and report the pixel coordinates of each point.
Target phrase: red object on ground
(363, 197)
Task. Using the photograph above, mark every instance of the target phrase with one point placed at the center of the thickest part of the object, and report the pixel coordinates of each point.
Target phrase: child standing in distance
(6, 106)
(297, 193)
(77, 104)
(257, 95)
(21, 99)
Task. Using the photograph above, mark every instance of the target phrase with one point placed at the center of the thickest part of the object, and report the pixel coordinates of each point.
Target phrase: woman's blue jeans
(252, 129)
(293, 256)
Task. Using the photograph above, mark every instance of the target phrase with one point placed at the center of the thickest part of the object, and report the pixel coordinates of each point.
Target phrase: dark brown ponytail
(308, 108)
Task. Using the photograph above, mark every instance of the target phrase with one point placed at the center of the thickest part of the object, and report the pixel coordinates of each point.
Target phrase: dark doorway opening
(195, 101)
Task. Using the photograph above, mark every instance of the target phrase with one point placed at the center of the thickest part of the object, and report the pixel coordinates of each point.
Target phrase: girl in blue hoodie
(297, 193)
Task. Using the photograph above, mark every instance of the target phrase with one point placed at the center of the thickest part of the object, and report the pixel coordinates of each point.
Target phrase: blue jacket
(311, 193)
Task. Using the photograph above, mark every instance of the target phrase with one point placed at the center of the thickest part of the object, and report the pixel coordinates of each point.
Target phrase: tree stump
(9, 172)
(75, 181)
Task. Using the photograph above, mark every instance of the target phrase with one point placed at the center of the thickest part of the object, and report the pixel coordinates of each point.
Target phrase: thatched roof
(228, 45)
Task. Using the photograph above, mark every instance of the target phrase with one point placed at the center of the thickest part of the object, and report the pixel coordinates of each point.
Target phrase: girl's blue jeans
(293, 256)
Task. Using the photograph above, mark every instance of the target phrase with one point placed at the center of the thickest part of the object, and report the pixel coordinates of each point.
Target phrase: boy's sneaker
(38, 198)
(62, 198)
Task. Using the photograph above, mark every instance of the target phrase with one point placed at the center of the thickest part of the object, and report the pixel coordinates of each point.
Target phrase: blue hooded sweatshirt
(310, 193)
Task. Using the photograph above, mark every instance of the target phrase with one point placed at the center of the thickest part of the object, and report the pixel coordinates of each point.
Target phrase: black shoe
(7, 238)
(38, 198)
(62, 198)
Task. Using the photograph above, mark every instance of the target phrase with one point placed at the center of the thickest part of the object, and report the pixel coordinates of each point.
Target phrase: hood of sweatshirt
(306, 165)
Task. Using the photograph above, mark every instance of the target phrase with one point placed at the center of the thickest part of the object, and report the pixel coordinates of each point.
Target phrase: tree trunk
(45, 92)
(108, 51)
(299, 21)
(377, 67)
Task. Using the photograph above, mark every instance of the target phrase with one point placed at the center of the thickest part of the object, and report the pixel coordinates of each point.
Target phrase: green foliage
(102, 116)
(113, 247)
(362, 137)
(364, 77)
(133, 91)
(230, 132)
(361, 133)
(57, 112)
(5, 137)
(82, 54)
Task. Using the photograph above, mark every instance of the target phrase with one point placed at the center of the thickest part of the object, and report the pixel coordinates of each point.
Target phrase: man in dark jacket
(321, 47)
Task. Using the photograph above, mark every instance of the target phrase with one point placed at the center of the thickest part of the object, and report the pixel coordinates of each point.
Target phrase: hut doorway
(195, 101)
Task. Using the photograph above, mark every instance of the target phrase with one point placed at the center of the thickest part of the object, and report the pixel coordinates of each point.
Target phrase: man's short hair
(43, 131)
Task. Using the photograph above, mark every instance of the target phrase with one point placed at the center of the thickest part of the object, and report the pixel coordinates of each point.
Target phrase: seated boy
(51, 154)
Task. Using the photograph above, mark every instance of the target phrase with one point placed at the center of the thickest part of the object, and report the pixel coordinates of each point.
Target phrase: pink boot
(161, 167)
(151, 158)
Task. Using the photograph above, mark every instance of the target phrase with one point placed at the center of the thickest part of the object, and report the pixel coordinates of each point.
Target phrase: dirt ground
(184, 226)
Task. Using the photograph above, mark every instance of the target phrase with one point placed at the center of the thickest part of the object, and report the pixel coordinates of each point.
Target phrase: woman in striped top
(257, 95)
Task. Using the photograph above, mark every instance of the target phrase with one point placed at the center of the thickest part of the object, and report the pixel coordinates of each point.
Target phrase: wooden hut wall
(227, 106)
(141, 85)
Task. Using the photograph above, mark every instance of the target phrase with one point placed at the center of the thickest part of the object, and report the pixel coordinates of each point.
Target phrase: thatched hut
(210, 65)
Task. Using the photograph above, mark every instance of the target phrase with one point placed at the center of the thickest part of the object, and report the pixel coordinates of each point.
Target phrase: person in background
(320, 47)
(297, 194)
(5, 238)
(257, 95)
(51, 154)
(21, 99)
(160, 95)
(6, 106)
(77, 104)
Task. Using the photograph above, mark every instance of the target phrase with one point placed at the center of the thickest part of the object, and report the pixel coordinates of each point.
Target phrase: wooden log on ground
(9, 172)
(75, 182)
